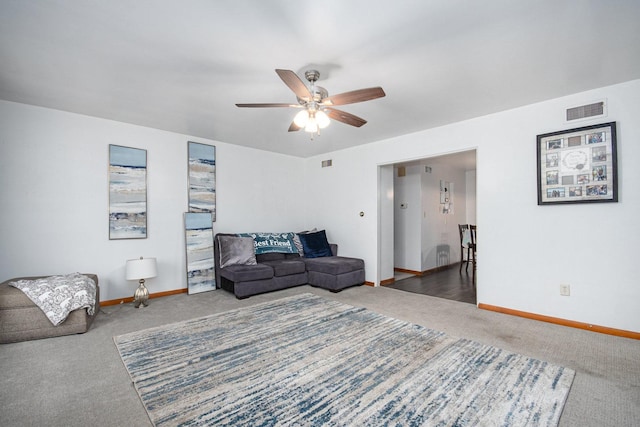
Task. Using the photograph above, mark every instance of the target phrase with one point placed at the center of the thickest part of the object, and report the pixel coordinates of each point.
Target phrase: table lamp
(140, 269)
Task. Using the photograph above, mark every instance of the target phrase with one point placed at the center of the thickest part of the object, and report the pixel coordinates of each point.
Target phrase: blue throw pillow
(315, 245)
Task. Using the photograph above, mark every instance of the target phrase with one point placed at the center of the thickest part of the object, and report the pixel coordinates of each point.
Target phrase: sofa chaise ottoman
(335, 272)
(22, 320)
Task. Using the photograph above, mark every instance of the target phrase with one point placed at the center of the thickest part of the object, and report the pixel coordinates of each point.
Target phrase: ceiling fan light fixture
(314, 99)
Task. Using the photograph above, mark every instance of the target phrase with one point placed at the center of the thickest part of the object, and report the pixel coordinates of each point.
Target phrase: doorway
(421, 203)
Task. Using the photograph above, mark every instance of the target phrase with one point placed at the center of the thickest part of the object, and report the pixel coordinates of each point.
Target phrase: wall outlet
(565, 290)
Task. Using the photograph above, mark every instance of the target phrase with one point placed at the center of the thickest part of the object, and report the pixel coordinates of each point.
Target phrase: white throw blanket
(58, 296)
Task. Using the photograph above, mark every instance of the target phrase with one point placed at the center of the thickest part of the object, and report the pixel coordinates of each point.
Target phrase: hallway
(448, 284)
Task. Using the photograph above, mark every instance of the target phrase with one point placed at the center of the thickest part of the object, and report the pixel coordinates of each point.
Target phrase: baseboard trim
(404, 270)
(387, 282)
(563, 322)
(369, 284)
(154, 295)
(426, 272)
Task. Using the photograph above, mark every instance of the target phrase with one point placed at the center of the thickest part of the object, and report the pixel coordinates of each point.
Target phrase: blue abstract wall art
(127, 193)
(202, 178)
(199, 243)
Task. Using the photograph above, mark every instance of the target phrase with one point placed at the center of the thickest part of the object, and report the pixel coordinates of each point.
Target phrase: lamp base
(141, 295)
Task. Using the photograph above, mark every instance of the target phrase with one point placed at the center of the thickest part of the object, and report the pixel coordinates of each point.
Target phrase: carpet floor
(76, 380)
(306, 360)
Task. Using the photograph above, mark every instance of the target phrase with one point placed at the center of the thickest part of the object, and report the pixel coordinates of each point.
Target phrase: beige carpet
(79, 380)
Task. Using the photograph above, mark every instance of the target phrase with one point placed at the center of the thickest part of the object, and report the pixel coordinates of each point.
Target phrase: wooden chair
(464, 245)
(473, 246)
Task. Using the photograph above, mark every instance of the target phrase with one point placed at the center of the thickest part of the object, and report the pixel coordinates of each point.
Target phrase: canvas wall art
(127, 193)
(199, 245)
(202, 178)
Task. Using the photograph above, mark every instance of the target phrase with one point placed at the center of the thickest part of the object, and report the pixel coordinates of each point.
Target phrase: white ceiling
(182, 65)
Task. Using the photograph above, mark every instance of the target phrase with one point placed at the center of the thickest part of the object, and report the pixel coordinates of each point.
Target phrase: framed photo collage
(578, 165)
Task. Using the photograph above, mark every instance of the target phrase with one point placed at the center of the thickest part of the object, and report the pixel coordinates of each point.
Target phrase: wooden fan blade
(344, 117)
(266, 105)
(294, 82)
(294, 127)
(354, 96)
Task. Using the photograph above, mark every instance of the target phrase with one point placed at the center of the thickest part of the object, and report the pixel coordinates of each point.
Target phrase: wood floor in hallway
(449, 284)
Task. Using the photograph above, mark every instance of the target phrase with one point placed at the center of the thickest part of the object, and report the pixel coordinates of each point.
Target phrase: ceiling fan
(317, 105)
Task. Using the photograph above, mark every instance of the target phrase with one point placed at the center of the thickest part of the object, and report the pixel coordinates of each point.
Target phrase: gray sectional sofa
(244, 268)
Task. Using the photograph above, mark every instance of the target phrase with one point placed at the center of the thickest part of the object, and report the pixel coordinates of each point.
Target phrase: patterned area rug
(308, 361)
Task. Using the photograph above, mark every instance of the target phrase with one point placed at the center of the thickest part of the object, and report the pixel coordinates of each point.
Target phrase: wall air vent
(597, 109)
(327, 163)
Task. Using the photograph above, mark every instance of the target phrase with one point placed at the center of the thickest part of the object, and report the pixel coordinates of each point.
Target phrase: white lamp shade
(322, 119)
(301, 118)
(142, 268)
(312, 125)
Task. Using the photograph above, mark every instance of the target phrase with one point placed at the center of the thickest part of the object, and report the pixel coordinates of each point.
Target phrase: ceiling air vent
(586, 111)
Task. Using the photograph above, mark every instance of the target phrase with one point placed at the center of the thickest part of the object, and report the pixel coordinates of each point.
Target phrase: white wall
(440, 231)
(54, 218)
(386, 232)
(53, 171)
(527, 250)
(422, 232)
(407, 221)
(470, 196)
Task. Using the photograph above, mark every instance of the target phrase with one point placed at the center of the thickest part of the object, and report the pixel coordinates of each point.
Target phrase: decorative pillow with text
(265, 243)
